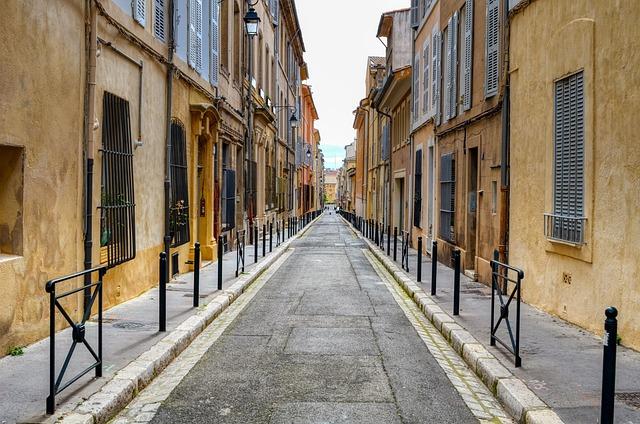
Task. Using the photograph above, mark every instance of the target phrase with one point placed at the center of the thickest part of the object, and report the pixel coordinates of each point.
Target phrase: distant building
(330, 185)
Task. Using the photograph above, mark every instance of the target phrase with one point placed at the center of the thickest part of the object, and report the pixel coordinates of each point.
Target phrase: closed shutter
(434, 69)
(273, 6)
(492, 45)
(417, 198)
(140, 11)
(468, 55)
(416, 87)
(215, 42)
(195, 34)
(438, 83)
(447, 196)
(447, 90)
(228, 197)
(569, 156)
(414, 14)
(453, 75)
(425, 78)
(159, 20)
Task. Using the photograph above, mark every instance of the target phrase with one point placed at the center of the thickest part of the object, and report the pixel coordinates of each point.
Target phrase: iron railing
(502, 275)
(78, 331)
(568, 229)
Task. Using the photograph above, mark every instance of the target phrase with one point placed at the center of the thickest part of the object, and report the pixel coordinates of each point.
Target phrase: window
(567, 221)
(139, 11)
(11, 193)
(195, 34)
(159, 19)
(228, 196)
(466, 64)
(415, 14)
(447, 196)
(417, 197)
(237, 40)
(492, 45)
(452, 67)
(224, 35)
(117, 207)
(214, 67)
(179, 208)
(425, 78)
(416, 87)
(436, 38)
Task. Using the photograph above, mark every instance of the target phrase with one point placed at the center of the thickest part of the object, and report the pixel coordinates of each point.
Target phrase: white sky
(339, 35)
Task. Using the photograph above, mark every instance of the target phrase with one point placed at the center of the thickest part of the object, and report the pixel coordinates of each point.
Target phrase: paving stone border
(116, 394)
(518, 400)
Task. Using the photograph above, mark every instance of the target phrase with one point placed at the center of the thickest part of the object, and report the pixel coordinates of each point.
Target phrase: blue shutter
(195, 34)
(140, 11)
(215, 42)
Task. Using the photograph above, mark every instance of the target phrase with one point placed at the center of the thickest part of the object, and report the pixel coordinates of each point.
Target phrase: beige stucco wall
(550, 40)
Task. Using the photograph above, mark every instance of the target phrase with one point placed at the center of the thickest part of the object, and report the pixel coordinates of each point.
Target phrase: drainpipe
(89, 128)
(169, 96)
(389, 201)
(504, 162)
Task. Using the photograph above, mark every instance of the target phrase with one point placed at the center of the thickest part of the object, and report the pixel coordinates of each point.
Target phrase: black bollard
(395, 243)
(255, 244)
(434, 267)
(196, 275)
(388, 240)
(609, 366)
(270, 237)
(419, 259)
(162, 289)
(456, 282)
(264, 239)
(377, 238)
(220, 259)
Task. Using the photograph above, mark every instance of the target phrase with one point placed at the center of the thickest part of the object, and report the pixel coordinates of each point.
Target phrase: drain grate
(630, 399)
(128, 325)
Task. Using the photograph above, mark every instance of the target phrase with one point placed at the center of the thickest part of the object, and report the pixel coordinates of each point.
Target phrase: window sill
(6, 258)
(566, 243)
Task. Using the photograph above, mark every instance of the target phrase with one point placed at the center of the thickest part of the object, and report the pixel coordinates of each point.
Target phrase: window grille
(179, 207)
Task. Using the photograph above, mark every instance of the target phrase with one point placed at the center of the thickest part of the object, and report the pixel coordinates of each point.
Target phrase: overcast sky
(339, 35)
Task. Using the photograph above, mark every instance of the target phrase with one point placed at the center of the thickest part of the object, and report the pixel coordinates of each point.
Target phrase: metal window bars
(78, 331)
(569, 229)
(502, 278)
(179, 209)
(405, 251)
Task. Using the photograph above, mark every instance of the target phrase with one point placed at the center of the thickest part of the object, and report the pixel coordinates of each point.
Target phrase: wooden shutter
(447, 196)
(569, 150)
(159, 20)
(416, 87)
(414, 14)
(425, 77)
(417, 198)
(468, 55)
(195, 34)
(453, 75)
(438, 83)
(140, 11)
(214, 66)
(434, 69)
(273, 6)
(492, 45)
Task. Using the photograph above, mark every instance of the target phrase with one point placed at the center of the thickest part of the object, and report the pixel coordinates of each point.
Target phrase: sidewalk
(129, 329)
(561, 363)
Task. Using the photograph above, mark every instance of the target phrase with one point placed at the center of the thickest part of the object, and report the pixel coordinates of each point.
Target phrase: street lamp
(308, 153)
(251, 21)
(293, 121)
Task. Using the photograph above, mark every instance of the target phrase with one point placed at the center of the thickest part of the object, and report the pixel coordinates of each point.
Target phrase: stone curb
(518, 400)
(129, 381)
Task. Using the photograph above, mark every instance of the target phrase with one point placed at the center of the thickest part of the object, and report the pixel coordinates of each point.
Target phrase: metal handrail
(78, 331)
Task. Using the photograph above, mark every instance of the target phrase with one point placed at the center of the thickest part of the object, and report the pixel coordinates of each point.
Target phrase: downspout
(504, 162)
(390, 118)
(168, 113)
(89, 129)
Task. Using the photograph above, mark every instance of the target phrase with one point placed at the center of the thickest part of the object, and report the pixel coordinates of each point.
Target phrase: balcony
(565, 229)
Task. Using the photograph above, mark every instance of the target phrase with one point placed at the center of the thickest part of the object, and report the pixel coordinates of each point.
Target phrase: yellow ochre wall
(549, 40)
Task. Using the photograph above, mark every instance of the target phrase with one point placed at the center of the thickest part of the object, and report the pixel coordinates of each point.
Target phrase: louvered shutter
(434, 69)
(140, 11)
(414, 14)
(447, 90)
(453, 93)
(447, 196)
(195, 34)
(492, 45)
(468, 55)
(569, 156)
(215, 42)
(273, 6)
(159, 19)
(425, 77)
(416, 87)
(438, 84)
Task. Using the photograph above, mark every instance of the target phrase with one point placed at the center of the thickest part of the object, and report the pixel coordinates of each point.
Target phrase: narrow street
(321, 338)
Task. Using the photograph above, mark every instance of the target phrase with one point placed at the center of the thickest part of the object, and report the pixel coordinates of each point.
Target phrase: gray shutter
(569, 150)
(434, 69)
(159, 20)
(468, 55)
(492, 45)
(414, 14)
(447, 91)
(273, 6)
(139, 11)
(425, 77)
(215, 42)
(438, 84)
(416, 86)
(195, 34)
(453, 94)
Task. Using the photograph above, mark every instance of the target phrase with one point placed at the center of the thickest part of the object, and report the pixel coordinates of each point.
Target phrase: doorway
(472, 208)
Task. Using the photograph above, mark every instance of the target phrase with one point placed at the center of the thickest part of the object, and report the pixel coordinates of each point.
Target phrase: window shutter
(438, 82)
(447, 196)
(425, 77)
(453, 94)
(140, 11)
(195, 34)
(159, 20)
(215, 42)
(417, 199)
(273, 6)
(447, 91)
(468, 55)
(414, 14)
(492, 45)
(434, 69)
(416, 87)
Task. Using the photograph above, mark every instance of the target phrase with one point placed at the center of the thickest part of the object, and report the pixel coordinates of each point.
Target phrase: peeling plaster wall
(549, 40)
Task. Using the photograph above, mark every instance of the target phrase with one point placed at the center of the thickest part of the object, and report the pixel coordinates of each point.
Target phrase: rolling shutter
(140, 11)
(468, 55)
(215, 42)
(492, 45)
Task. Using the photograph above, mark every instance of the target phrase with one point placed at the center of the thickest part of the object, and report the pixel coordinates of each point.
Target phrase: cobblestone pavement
(324, 336)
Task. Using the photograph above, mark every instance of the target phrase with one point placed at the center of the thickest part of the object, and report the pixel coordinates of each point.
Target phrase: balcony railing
(569, 229)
